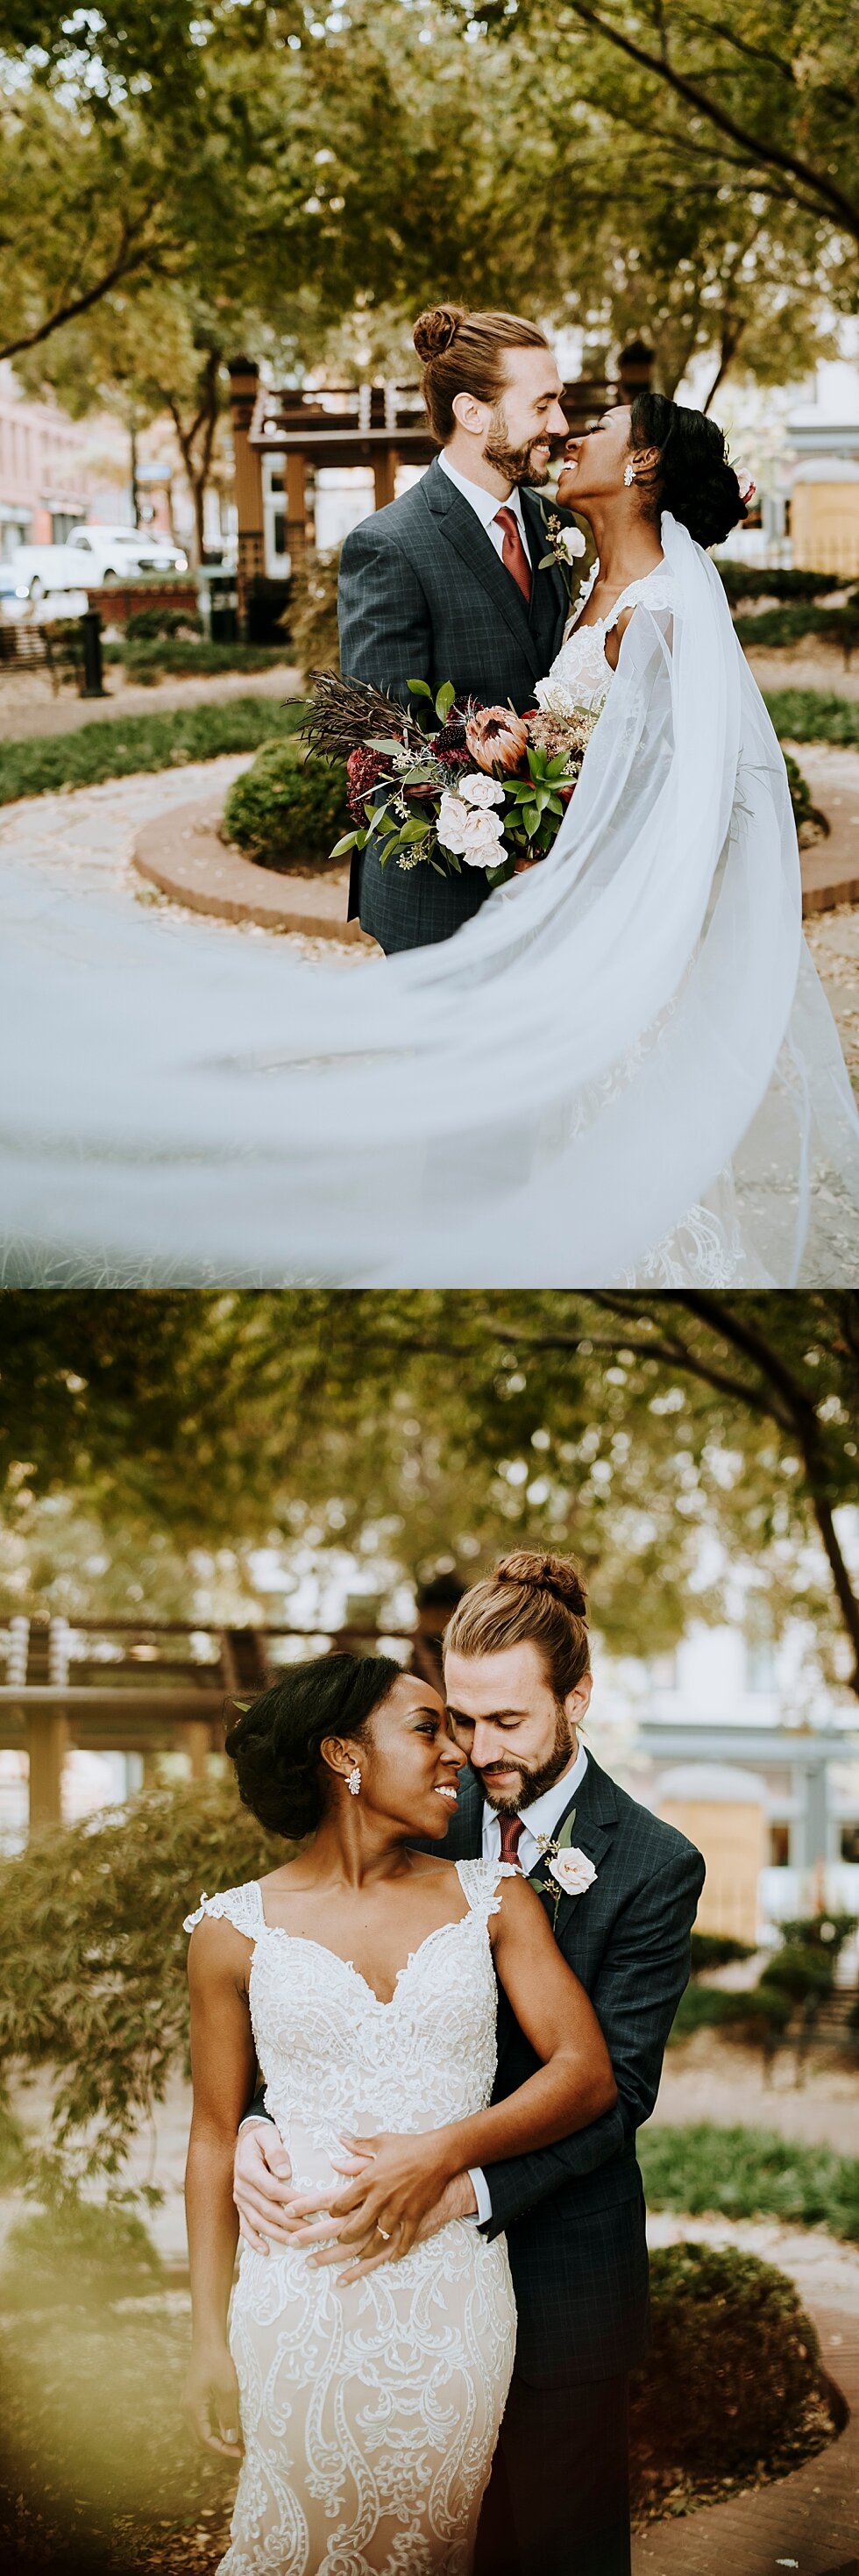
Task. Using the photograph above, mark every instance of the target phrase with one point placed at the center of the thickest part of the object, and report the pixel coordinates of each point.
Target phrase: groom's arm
(382, 613)
(641, 1979)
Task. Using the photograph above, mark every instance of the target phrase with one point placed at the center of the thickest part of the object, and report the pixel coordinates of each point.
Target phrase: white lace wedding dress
(370, 2414)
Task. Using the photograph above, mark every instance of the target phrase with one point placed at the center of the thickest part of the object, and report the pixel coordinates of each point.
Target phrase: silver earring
(628, 475)
(353, 1782)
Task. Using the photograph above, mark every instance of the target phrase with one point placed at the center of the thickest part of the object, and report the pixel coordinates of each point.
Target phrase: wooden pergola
(129, 1686)
(381, 426)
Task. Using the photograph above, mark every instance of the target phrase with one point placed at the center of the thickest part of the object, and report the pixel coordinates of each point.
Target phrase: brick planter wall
(119, 600)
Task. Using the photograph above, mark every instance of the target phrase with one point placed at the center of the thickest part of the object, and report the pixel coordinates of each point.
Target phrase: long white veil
(623, 1070)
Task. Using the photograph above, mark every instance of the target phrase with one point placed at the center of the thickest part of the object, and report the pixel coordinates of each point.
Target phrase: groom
(445, 584)
(518, 1683)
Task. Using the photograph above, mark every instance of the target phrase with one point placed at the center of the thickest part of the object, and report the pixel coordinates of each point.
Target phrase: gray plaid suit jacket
(424, 596)
(574, 2213)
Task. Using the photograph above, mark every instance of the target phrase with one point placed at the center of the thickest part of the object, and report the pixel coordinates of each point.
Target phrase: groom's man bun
(530, 1599)
(464, 353)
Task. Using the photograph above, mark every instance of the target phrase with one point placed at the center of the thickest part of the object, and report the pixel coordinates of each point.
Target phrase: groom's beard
(515, 462)
(534, 1780)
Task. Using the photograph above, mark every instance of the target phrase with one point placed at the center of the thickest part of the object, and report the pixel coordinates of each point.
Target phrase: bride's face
(414, 1764)
(594, 464)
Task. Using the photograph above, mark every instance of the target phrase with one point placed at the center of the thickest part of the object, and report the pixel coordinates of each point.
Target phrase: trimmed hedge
(813, 715)
(733, 2365)
(756, 581)
(287, 812)
(717, 1950)
(756, 2015)
(779, 628)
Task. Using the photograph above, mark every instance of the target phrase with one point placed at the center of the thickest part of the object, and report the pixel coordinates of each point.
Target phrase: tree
(768, 87)
(450, 1425)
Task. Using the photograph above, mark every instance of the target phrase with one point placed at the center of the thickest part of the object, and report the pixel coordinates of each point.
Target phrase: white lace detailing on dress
(580, 676)
(370, 2413)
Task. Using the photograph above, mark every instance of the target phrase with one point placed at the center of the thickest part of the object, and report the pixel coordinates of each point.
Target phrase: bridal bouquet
(468, 786)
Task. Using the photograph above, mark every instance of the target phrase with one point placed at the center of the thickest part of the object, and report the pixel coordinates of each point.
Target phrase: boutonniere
(566, 1865)
(566, 547)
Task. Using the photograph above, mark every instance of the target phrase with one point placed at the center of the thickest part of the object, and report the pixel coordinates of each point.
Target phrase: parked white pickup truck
(90, 557)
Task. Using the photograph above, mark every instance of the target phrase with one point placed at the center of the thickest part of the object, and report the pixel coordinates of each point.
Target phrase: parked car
(91, 556)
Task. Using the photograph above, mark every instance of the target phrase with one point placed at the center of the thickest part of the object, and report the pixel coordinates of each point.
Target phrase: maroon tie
(513, 552)
(512, 1830)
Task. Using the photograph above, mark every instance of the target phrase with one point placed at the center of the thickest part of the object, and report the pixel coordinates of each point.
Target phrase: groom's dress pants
(557, 2503)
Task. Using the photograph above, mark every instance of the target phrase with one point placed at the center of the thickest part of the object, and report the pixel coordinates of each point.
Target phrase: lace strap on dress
(242, 1906)
(652, 590)
(480, 1881)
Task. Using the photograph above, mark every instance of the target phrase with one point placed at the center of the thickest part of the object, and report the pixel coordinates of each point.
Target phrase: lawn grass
(119, 747)
(813, 715)
(749, 2173)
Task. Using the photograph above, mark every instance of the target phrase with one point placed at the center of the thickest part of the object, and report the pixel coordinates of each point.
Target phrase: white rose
(573, 1871)
(453, 819)
(478, 789)
(571, 543)
(480, 847)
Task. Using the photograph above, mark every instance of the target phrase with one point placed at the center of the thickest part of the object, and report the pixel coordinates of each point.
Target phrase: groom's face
(504, 1714)
(526, 423)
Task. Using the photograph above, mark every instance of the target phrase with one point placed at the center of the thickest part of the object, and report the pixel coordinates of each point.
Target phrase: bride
(622, 1072)
(362, 1976)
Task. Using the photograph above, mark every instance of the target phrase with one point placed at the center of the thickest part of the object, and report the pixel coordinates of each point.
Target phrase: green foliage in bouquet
(284, 811)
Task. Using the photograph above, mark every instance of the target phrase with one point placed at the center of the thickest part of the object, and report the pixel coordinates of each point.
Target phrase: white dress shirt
(540, 1817)
(484, 504)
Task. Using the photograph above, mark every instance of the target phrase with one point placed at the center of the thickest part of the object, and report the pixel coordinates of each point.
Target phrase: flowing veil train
(623, 1070)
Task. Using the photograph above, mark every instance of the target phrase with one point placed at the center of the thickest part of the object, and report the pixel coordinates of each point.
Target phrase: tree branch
(828, 197)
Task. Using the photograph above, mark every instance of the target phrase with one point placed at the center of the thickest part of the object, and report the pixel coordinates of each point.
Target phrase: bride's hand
(377, 2217)
(211, 2400)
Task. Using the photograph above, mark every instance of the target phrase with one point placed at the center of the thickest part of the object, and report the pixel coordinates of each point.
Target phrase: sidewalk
(808, 2521)
(28, 705)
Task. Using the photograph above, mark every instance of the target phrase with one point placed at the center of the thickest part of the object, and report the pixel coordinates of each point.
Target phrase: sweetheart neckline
(384, 2001)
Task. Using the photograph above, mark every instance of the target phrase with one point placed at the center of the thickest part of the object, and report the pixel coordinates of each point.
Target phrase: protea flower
(497, 739)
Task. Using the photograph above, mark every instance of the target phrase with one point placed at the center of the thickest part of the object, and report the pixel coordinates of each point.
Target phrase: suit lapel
(548, 589)
(595, 1805)
(462, 531)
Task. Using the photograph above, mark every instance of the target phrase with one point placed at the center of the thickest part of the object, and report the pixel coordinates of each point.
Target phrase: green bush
(824, 1932)
(800, 796)
(145, 624)
(716, 1950)
(311, 618)
(122, 746)
(813, 715)
(94, 1954)
(733, 2363)
(287, 812)
(800, 1970)
(178, 657)
(78, 2251)
(762, 2011)
(749, 2173)
(756, 581)
(779, 628)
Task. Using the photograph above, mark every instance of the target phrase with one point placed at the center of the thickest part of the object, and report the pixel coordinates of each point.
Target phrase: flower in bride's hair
(497, 739)
(477, 789)
(748, 488)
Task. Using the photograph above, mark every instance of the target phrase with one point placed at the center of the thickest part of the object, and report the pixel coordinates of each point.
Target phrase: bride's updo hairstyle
(275, 1744)
(529, 1600)
(693, 478)
(463, 353)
